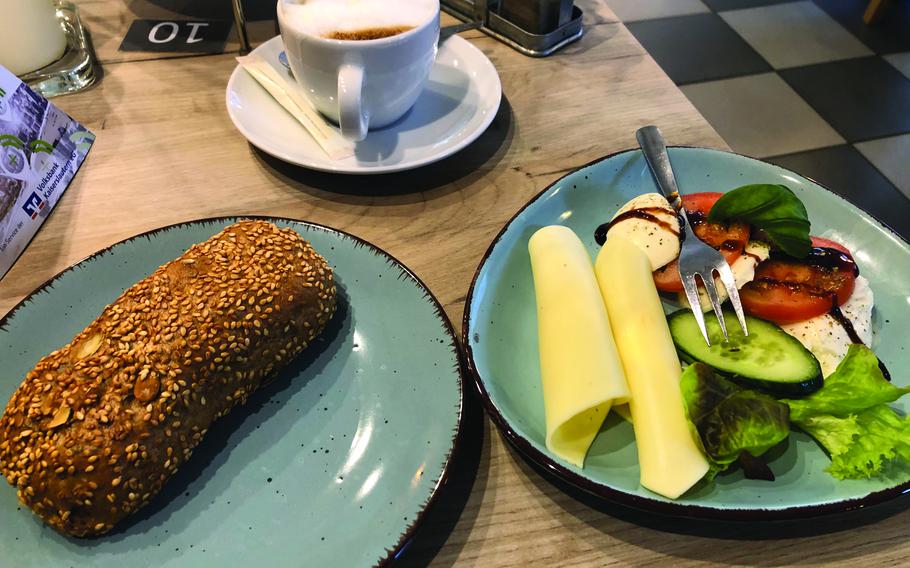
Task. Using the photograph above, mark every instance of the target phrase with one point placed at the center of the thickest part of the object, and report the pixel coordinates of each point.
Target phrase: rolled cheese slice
(668, 456)
(579, 364)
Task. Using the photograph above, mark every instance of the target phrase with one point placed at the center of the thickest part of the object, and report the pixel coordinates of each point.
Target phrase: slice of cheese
(579, 365)
(670, 460)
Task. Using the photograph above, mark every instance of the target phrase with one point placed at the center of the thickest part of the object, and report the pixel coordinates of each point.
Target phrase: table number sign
(41, 149)
(171, 36)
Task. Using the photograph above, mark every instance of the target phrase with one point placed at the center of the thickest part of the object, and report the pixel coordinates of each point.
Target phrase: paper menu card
(41, 149)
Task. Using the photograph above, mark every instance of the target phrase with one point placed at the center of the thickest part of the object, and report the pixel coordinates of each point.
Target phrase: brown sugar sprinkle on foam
(97, 427)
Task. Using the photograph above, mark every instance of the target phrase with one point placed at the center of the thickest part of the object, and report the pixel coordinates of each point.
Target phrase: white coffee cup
(361, 84)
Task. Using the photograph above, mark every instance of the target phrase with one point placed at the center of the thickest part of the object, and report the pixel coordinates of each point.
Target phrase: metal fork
(696, 259)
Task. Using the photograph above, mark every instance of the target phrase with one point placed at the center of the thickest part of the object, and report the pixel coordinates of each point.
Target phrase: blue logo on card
(33, 205)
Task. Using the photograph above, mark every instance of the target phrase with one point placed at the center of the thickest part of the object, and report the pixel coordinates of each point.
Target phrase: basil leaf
(773, 208)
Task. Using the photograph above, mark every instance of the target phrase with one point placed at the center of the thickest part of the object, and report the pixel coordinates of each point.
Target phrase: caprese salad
(819, 298)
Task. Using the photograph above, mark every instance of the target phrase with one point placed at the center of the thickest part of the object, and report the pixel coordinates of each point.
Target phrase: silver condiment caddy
(534, 27)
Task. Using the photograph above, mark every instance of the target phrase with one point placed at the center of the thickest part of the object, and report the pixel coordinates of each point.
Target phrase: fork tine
(691, 288)
(726, 276)
(715, 302)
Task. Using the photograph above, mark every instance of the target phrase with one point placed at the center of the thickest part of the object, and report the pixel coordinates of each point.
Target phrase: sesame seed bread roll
(99, 426)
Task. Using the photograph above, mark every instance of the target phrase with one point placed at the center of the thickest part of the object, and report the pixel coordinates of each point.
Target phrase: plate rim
(325, 165)
(645, 504)
(454, 450)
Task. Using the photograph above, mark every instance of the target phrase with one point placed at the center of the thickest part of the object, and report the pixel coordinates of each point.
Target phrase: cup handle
(351, 117)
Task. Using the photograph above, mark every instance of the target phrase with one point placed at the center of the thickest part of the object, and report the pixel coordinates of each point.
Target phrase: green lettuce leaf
(773, 208)
(856, 385)
(730, 419)
(849, 416)
(861, 445)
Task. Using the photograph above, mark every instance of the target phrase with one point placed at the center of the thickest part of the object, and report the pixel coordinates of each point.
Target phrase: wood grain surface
(167, 152)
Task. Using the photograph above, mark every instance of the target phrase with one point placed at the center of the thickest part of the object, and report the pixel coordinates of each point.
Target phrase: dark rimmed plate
(333, 464)
(500, 337)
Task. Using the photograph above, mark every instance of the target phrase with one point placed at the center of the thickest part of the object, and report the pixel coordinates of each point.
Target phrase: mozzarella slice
(658, 236)
(826, 338)
(668, 456)
(743, 269)
(580, 368)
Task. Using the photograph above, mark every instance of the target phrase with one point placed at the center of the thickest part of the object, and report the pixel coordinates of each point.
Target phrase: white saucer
(460, 100)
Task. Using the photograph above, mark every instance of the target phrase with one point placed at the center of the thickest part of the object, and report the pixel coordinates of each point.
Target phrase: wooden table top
(167, 152)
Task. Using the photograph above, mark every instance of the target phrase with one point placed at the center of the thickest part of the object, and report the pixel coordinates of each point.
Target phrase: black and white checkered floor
(805, 84)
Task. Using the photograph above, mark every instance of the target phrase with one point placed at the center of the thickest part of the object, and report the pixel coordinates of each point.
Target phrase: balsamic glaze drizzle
(823, 257)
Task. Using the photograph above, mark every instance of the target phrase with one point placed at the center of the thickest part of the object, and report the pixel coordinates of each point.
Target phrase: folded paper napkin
(289, 95)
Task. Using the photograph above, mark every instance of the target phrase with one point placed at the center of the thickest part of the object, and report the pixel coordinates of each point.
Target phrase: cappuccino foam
(346, 18)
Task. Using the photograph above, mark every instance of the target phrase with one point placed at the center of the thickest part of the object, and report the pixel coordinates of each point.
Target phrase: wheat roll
(98, 427)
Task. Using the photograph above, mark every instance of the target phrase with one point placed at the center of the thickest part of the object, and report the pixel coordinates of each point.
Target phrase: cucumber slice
(768, 359)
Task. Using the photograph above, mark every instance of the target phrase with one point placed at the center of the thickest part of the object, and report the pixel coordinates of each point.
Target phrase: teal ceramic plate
(500, 335)
(333, 464)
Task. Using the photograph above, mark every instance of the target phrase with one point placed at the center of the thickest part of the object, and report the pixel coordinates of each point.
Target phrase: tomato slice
(822, 242)
(788, 290)
(729, 238)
